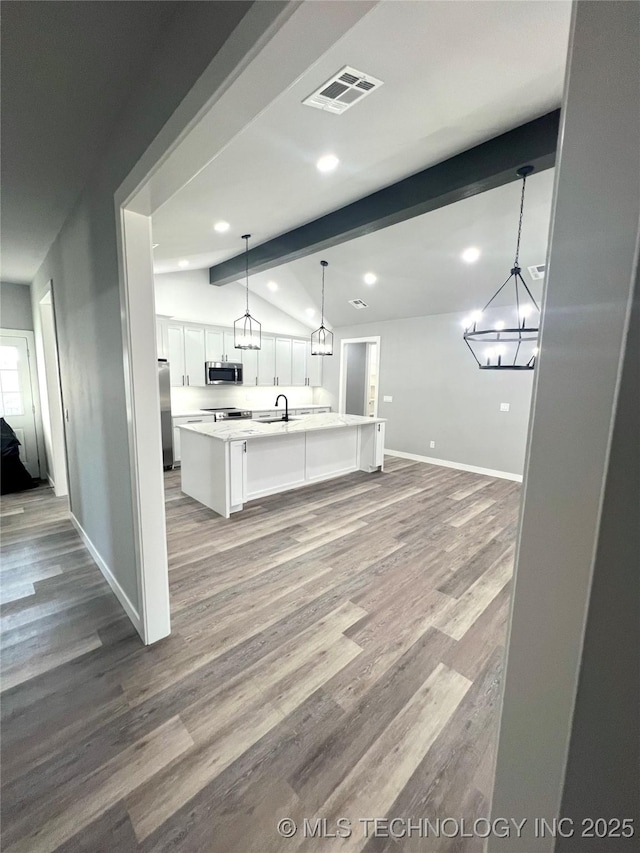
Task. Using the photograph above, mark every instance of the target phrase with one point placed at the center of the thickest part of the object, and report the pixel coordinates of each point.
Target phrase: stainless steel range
(224, 414)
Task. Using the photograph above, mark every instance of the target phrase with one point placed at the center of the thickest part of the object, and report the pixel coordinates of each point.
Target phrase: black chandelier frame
(322, 338)
(247, 331)
(517, 334)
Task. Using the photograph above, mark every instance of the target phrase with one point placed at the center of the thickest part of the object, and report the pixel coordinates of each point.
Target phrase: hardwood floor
(336, 653)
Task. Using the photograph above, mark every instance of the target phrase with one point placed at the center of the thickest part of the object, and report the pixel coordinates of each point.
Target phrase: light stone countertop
(199, 413)
(246, 429)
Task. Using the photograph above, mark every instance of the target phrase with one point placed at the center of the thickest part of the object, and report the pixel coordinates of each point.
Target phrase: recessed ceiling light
(183, 264)
(272, 285)
(311, 312)
(327, 163)
(370, 278)
(471, 255)
(221, 227)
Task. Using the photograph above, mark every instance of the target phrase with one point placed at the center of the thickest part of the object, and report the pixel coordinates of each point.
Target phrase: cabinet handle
(196, 421)
(187, 378)
(274, 381)
(245, 446)
(183, 380)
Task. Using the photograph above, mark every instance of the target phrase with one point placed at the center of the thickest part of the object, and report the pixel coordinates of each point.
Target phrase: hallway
(321, 639)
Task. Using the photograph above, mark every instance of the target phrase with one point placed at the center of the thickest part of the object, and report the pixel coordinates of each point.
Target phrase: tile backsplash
(246, 397)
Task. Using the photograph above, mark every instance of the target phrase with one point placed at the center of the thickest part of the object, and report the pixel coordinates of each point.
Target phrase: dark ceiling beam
(484, 167)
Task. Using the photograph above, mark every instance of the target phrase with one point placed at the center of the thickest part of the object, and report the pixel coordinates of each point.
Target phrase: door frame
(61, 489)
(342, 393)
(33, 382)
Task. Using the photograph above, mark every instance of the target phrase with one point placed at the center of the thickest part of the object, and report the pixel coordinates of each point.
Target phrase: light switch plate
(432, 444)
(504, 407)
(387, 399)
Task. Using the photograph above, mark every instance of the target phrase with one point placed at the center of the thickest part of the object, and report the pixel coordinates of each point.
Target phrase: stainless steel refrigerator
(164, 382)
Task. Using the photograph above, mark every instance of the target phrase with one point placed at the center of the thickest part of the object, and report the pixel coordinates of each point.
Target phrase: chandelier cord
(246, 238)
(517, 260)
(322, 308)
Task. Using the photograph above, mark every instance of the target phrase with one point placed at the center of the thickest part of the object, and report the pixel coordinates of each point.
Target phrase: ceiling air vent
(536, 272)
(342, 91)
(358, 303)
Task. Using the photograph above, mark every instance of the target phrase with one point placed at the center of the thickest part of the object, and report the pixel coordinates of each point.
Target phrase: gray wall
(439, 394)
(356, 359)
(15, 306)
(83, 263)
(568, 735)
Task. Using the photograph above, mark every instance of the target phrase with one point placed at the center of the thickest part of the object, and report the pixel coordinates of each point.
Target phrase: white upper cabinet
(267, 361)
(214, 344)
(249, 366)
(314, 369)
(162, 347)
(194, 355)
(230, 352)
(283, 361)
(175, 347)
(299, 362)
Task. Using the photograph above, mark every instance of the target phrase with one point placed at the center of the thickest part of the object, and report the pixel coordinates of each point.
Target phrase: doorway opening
(359, 373)
(18, 394)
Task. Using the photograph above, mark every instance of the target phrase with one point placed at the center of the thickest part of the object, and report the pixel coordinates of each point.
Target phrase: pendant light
(502, 337)
(322, 338)
(247, 331)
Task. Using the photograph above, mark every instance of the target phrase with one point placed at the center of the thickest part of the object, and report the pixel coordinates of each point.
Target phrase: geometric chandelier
(507, 344)
(247, 331)
(322, 338)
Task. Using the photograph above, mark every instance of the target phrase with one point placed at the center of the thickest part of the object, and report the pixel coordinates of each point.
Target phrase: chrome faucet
(285, 417)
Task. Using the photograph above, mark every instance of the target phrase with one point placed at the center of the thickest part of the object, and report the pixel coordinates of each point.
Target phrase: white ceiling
(455, 74)
(418, 262)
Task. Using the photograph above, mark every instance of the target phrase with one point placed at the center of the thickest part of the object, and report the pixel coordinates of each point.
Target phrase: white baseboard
(51, 482)
(460, 466)
(119, 593)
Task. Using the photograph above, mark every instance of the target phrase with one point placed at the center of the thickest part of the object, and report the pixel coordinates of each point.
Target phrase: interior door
(16, 398)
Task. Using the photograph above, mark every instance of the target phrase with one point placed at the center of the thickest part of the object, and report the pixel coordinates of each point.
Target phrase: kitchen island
(227, 464)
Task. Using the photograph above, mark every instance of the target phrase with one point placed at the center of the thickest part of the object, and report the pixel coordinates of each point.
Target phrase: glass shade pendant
(247, 331)
(502, 337)
(322, 338)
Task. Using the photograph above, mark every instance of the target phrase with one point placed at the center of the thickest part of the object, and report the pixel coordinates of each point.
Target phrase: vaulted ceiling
(455, 74)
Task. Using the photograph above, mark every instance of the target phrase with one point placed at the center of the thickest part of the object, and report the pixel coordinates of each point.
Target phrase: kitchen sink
(278, 421)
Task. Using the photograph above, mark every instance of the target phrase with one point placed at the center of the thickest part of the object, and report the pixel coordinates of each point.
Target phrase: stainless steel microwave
(223, 373)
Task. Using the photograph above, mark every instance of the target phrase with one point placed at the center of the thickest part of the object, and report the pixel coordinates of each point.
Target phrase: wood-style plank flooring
(336, 653)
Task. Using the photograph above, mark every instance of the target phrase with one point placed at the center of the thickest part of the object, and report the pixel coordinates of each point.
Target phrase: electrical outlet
(432, 444)
(387, 399)
(504, 407)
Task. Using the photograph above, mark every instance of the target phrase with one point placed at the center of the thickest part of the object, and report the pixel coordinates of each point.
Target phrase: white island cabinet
(225, 465)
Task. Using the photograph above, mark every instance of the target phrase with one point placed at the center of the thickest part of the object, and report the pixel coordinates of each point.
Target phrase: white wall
(440, 395)
(189, 296)
(83, 263)
(15, 306)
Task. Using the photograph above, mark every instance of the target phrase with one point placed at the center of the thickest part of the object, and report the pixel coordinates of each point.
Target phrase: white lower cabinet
(177, 422)
(237, 473)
